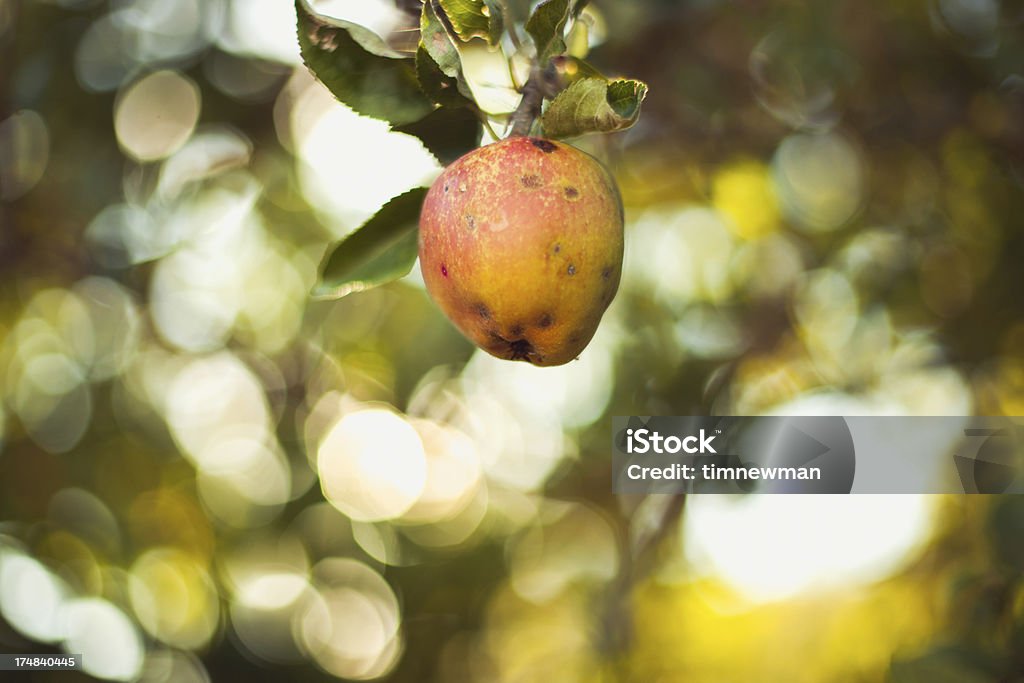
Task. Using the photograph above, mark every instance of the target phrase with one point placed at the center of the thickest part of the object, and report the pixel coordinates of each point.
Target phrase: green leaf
(381, 31)
(440, 88)
(382, 250)
(547, 28)
(448, 132)
(473, 18)
(372, 85)
(594, 105)
(489, 78)
(496, 21)
(370, 41)
(437, 41)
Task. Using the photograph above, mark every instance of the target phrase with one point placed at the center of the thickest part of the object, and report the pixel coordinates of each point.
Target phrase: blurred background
(205, 475)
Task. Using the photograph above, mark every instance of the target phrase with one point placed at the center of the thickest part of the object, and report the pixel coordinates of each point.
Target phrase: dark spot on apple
(572, 269)
(545, 146)
(444, 270)
(532, 181)
(517, 349)
(607, 272)
(516, 331)
(520, 349)
(558, 248)
(545, 320)
(470, 222)
(572, 193)
(482, 311)
(446, 187)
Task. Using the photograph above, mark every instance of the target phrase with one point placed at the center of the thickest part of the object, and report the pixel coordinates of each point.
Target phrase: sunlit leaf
(372, 85)
(594, 105)
(377, 25)
(382, 250)
(473, 18)
(489, 79)
(547, 28)
(448, 132)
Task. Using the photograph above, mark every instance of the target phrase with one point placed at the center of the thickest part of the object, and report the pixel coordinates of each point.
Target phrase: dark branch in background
(637, 564)
(645, 555)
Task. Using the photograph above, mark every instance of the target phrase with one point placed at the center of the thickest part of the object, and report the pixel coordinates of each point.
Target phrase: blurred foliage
(206, 475)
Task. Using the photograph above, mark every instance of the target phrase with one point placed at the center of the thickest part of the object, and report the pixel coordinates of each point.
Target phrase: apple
(520, 245)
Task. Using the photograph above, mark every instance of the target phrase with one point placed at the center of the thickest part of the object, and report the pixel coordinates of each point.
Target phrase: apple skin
(520, 245)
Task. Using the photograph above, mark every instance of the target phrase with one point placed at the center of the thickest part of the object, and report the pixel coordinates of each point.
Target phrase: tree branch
(637, 564)
(529, 107)
(543, 82)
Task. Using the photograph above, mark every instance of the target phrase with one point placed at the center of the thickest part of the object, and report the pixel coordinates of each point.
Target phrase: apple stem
(529, 107)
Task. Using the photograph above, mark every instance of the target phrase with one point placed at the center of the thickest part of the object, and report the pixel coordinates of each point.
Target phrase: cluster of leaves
(412, 76)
